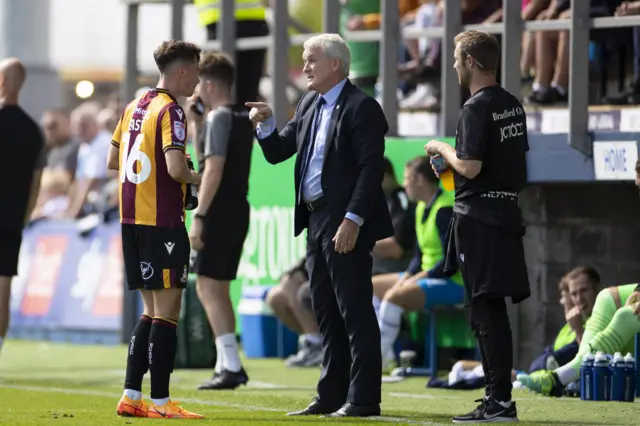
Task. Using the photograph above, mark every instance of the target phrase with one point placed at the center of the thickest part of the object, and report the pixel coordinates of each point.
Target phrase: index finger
(255, 104)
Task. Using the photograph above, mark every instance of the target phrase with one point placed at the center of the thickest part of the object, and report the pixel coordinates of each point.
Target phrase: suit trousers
(341, 294)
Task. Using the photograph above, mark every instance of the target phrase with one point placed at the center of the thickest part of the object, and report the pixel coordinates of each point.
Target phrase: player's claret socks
(138, 356)
(131, 403)
(162, 352)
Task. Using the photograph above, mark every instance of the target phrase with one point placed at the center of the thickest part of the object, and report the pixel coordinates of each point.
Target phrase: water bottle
(586, 378)
(618, 377)
(601, 378)
(444, 171)
(630, 378)
(191, 197)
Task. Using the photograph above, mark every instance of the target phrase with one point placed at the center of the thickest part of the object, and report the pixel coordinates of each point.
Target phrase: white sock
(231, 358)
(219, 356)
(559, 88)
(313, 338)
(160, 402)
(567, 374)
(133, 394)
(389, 321)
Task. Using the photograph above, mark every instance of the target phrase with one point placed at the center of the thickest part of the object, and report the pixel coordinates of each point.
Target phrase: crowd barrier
(70, 285)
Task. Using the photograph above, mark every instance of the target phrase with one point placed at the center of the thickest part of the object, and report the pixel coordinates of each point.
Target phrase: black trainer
(489, 411)
(226, 380)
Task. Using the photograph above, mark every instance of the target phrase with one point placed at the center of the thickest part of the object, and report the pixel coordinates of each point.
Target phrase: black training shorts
(10, 242)
(155, 257)
(224, 230)
(491, 258)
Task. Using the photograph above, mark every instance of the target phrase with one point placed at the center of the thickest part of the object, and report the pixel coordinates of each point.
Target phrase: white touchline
(384, 419)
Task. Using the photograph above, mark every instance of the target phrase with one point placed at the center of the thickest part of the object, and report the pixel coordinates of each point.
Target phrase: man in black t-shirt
(221, 220)
(485, 233)
(20, 172)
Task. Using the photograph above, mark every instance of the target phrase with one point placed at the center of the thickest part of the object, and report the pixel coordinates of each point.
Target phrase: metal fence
(511, 29)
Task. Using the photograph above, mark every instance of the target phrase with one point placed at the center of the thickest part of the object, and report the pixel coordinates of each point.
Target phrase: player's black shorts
(155, 257)
(10, 241)
(491, 258)
(224, 230)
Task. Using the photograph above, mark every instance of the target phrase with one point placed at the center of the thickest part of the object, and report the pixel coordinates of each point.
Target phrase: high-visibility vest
(209, 11)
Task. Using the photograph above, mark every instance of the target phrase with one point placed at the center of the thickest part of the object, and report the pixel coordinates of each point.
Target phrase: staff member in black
(338, 133)
(20, 173)
(485, 234)
(221, 219)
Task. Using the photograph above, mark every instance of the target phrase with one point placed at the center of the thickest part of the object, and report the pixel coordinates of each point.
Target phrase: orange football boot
(128, 407)
(170, 410)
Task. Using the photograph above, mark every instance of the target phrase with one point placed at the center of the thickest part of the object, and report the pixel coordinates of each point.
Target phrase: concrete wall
(570, 225)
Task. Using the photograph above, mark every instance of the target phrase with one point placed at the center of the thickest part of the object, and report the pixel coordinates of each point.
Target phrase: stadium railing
(511, 28)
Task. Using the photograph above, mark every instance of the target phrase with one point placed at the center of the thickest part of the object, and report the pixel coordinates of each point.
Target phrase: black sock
(162, 353)
(138, 356)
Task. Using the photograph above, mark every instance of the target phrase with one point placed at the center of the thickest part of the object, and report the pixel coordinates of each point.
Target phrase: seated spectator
(62, 148)
(53, 201)
(530, 10)
(578, 290)
(107, 120)
(427, 69)
(424, 284)
(291, 299)
(631, 96)
(552, 54)
(91, 171)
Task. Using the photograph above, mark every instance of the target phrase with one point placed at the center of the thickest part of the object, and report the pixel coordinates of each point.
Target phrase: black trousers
(249, 63)
(341, 294)
(490, 323)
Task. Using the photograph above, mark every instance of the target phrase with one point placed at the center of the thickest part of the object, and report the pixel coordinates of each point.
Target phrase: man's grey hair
(333, 46)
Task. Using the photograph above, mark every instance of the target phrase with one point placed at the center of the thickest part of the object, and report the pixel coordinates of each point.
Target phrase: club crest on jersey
(179, 130)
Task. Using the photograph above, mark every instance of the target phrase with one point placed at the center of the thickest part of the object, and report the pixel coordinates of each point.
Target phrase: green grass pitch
(57, 384)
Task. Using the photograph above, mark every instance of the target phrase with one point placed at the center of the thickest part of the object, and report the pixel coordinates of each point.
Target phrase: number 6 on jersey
(128, 171)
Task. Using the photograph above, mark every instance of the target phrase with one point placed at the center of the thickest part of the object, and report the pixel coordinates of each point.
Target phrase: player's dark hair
(592, 275)
(387, 167)
(217, 66)
(422, 166)
(638, 166)
(481, 46)
(173, 51)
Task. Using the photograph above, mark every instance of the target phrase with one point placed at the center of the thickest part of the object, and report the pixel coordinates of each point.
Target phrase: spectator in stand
(53, 199)
(427, 69)
(62, 148)
(632, 95)
(530, 10)
(108, 120)
(552, 54)
(91, 171)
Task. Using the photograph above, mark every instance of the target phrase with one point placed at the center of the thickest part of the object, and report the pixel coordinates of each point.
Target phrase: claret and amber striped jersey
(150, 126)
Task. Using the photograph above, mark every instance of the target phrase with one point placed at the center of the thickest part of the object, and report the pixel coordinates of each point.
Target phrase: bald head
(12, 76)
